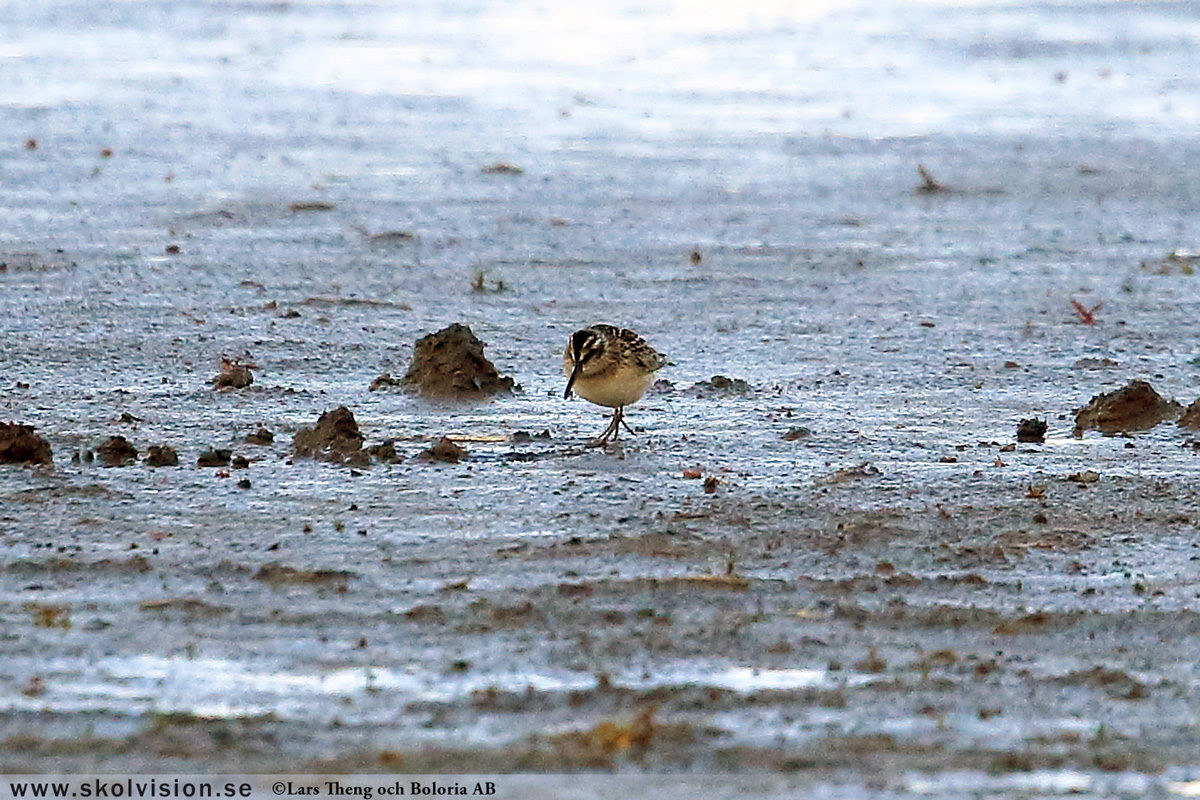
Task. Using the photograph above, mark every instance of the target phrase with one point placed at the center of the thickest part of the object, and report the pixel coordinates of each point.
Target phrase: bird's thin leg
(621, 419)
(609, 432)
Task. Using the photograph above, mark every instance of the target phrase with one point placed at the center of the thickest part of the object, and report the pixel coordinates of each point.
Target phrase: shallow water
(781, 142)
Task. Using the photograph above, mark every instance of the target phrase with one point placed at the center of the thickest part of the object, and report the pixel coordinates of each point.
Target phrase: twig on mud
(1086, 315)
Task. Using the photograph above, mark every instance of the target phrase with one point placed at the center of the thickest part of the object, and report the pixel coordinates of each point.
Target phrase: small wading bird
(612, 367)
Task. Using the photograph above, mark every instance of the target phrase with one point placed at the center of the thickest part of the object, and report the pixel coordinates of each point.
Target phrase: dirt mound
(161, 456)
(385, 453)
(1031, 430)
(1191, 417)
(1134, 407)
(450, 364)
(214, 458)
(335, 439)
(233, 375)
(117, 451)
(20, 445)
(261, 437)
(443, 450)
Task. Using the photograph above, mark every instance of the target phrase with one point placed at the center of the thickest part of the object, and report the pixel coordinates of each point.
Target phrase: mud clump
(1191, 417)
(385, 453)
(116, 452)
(335, 439)
(214, 458)
(444, 451)
(384, 381)
(1134, 407)
(450, 364)
(1031, 430)
(261, 437)
(161, 455)
(234, 375)
(20, 445)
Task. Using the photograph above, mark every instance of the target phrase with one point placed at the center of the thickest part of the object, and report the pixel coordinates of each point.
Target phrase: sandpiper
(610, 366)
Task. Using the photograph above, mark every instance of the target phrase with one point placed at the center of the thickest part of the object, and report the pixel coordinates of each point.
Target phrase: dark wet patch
(1117, 684)
(133, 564)
(33, 261)
(1176, 261)
(721, 385)
(502, 168)
(310, 205)
(187, 606)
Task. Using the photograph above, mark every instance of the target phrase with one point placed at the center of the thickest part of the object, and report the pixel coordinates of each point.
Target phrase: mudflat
(871, 240)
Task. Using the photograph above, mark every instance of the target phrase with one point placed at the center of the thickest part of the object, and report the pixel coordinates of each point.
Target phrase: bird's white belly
(621, 387)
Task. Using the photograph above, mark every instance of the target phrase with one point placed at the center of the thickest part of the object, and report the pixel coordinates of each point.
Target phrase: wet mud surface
(824, 553)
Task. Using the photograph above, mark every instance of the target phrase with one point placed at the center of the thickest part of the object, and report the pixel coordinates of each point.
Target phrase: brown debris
(1117, 684)
(161, 455)
(1086, 315)
(276, 574)
(20, 445)
(720, 383)
(1095, 363)
(599, 745)
(502, 168)
(335, 439)
(450, 364)
(117, 452)
(443, 450)
(929, 184)
(310, 205)
(847, 474)
(1134, 407)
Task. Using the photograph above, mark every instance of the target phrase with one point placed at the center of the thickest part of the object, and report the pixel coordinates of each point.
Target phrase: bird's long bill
(571, 381)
